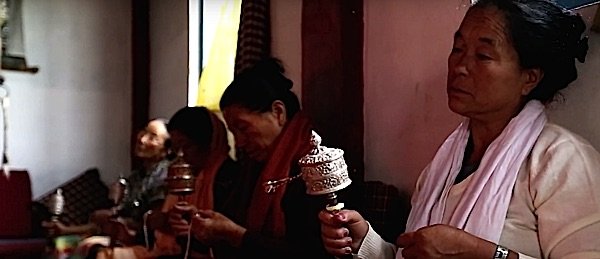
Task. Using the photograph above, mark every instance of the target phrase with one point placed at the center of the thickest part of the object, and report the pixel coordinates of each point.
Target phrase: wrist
(358, 239)
(501, 252)
(236, 236)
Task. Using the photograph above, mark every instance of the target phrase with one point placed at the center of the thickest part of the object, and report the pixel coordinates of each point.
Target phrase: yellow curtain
(219, 69)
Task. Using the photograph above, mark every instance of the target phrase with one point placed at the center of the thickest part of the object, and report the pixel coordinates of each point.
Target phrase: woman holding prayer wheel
(269, 214)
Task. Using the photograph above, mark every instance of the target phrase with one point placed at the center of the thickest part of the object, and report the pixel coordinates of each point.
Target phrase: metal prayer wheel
(118, 191)
(57, 204)
(180, 177)
(324, 172)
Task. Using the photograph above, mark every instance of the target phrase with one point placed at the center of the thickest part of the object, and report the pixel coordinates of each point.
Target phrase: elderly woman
(271, 135)
(201, 137)
(144, 191)
(506, 183)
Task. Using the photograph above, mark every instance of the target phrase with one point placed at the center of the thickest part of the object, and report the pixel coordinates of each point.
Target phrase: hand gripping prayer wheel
(180, 178)
(325, 172)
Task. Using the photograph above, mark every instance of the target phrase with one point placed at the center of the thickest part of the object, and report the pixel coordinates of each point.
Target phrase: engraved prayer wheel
(180, 178)
(57, 204)
(325, 172)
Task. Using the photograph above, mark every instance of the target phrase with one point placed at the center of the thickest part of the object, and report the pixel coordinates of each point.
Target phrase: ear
(278, 110)
(532, 77)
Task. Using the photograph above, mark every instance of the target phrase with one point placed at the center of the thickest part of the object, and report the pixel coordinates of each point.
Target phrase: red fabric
(15, 205)
(265, 214)
(22, 248)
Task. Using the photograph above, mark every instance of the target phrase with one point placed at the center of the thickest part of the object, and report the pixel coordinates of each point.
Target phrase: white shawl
(482, 208)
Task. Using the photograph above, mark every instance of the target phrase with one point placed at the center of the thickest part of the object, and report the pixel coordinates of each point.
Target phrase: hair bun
(272, 70)
(581, 49)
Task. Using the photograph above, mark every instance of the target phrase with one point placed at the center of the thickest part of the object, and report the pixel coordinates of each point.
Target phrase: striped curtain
(254, 35)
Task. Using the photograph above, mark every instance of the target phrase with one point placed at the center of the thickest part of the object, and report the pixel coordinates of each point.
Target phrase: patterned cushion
(83, 195)
(385, 208)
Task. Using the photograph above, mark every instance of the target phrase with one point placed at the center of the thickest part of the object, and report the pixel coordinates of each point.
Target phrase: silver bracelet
(501, 252)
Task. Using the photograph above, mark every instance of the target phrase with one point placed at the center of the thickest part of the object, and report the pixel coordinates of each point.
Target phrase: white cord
(189, 238)
(145, 228)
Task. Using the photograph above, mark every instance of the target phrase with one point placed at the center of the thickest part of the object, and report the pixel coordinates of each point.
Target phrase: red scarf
(265, 214)
(202, 197)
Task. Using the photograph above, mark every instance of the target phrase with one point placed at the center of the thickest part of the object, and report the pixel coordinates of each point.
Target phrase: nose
(144, 139)
(460, 66)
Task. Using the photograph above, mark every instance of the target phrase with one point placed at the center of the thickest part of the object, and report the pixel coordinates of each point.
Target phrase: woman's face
(485, 80)
(255, 132)
(192, 153)
(151, 141)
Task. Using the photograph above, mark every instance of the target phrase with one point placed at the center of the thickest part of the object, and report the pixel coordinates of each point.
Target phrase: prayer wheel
(180, 178)
(325, 172)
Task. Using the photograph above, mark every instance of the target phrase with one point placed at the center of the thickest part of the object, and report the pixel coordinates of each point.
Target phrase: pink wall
(406, 112)
(286, 38)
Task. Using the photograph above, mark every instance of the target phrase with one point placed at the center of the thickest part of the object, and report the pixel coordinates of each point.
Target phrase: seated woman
(200, 136)
(144, 189)
(506, 183)
(271, 135)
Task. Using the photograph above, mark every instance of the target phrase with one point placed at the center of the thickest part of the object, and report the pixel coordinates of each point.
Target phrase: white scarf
(482, 208)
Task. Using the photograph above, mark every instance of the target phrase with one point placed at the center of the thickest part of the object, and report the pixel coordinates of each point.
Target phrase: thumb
(405, 239)
(47, 224)
(347, 217)
(204, 213)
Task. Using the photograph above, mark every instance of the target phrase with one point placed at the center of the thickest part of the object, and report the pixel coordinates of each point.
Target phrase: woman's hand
(342, 232)
(179, 218)
(443, 241)
(100, 217)
(211, 227)
(54, 228)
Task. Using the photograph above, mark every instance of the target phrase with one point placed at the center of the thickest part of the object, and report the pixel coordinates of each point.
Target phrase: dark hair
(257, 87)
(194, 123)
(545, 36)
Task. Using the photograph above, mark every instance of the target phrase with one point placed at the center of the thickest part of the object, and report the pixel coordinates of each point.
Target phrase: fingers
(183, 207)
(334, 219)
(179, 210)
(334, 232)
(180, 229)
(336, 240)
(343, 217)
(336, 237)
(176, 220)
(48, 224)
(204, 214)
(338, 252)
(405, 240)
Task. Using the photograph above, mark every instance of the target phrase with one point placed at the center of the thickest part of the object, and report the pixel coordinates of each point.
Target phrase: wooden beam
(596, 23)
(140, 59)
(332, 75)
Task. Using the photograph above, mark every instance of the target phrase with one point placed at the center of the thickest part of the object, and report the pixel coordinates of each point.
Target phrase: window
(213, 28)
